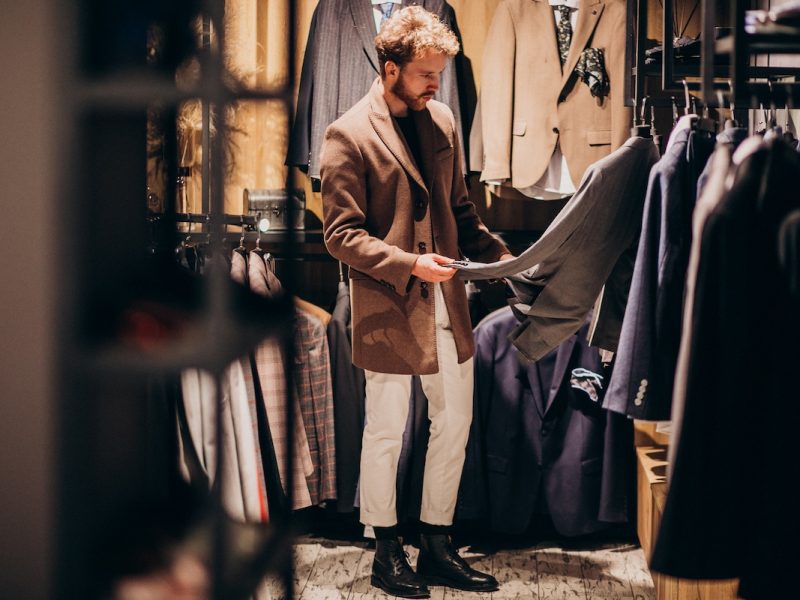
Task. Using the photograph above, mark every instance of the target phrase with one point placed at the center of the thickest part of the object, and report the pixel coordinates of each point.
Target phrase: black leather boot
(392, 573)
(440, 564)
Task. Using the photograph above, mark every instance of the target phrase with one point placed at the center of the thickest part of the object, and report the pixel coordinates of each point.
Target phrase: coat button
(420, 204)
(422, 247)
(424, 285)
(555, 129)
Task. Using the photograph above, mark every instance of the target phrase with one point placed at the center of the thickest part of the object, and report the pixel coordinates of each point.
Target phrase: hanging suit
(528, 104)
(339, 66)
(537, 440)
(648, 348)
(731, 510)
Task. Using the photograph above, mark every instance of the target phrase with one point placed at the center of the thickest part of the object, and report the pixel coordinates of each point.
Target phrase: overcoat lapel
(588, 15)
(384, 126)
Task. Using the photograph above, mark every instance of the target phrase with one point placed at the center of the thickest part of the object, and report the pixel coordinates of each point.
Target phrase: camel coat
(528, 104)
(381, 212)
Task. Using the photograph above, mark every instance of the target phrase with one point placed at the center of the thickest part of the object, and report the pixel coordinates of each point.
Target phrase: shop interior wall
(257, 34)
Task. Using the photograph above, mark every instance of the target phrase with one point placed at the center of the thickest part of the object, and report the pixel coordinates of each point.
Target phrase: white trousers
(449, 394)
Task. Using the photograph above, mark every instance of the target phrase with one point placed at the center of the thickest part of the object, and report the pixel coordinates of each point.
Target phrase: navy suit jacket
(647, 353)
(538, 442)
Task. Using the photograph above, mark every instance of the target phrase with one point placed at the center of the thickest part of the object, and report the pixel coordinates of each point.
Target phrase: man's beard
(401, 91)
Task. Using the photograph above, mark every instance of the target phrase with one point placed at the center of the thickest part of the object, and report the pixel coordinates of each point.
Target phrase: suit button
(420, 204)
(421, 247)
(555, 129)
(424, 285)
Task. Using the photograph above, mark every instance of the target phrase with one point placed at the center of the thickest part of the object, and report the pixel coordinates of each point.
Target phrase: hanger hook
(241, 237)
(686, 96)
(258, 229)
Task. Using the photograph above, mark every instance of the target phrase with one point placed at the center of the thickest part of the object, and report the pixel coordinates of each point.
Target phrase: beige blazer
(527, 104)
(380, 212)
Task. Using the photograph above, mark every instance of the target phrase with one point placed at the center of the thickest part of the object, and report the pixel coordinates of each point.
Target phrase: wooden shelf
(760, 43)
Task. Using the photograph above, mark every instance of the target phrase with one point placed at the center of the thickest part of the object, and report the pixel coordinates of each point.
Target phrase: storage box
(277, 207)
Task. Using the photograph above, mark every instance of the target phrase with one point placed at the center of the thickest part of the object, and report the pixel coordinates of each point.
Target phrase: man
(395, 210)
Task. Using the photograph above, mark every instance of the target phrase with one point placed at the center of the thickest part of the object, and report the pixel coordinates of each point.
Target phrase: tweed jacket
(528, 104)
(339, 65)
(381, 212)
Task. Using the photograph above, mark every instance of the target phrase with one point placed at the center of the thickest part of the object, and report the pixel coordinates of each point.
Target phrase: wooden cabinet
(651, 491)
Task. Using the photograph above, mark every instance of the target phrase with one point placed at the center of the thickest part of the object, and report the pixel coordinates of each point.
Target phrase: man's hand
(428, 268)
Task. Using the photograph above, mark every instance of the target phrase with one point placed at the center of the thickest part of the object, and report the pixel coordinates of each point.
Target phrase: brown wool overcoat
(381, 212)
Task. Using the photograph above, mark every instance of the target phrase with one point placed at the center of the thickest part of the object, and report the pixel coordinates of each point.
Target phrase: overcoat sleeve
(344, 215)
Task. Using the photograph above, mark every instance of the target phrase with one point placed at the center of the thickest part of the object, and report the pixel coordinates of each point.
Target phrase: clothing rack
(711, 80)
(741, 47)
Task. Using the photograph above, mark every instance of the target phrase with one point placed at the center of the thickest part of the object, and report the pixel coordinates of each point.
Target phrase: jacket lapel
(384, 126)
(562, 362)
(588, 15)
(364, 23)
(549, 42)
(531, 374)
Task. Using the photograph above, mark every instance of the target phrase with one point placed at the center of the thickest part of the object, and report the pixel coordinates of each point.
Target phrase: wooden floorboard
(328, 570)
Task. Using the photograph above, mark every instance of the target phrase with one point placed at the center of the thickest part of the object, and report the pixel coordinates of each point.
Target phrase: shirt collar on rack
(570, 3)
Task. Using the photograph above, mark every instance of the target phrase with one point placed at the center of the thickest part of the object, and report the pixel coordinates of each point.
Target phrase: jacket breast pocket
(600, 137)
(519, 127)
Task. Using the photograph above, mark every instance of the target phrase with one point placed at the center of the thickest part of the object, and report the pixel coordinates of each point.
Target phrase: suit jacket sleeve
(299, 153)
(498, 77)
(344, 205)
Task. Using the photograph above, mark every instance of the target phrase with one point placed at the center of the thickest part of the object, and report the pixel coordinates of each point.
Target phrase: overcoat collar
(387, 131)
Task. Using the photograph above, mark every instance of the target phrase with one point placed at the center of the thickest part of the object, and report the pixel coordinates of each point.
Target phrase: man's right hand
(428, 268)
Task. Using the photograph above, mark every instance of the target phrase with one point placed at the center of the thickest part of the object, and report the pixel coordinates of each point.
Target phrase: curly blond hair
(411, 32)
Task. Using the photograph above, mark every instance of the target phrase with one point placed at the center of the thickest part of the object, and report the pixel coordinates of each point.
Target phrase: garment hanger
(732, 123)
(341, 272)
(258, 249)
(788, 134)
(241, 249)
(703, 124)
(675, 115)
(641, 128)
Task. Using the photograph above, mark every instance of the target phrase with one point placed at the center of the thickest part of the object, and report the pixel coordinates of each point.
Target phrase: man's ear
(391, 68)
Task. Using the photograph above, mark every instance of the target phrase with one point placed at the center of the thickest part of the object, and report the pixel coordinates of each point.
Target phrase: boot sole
(434, 580)
(376, 582)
